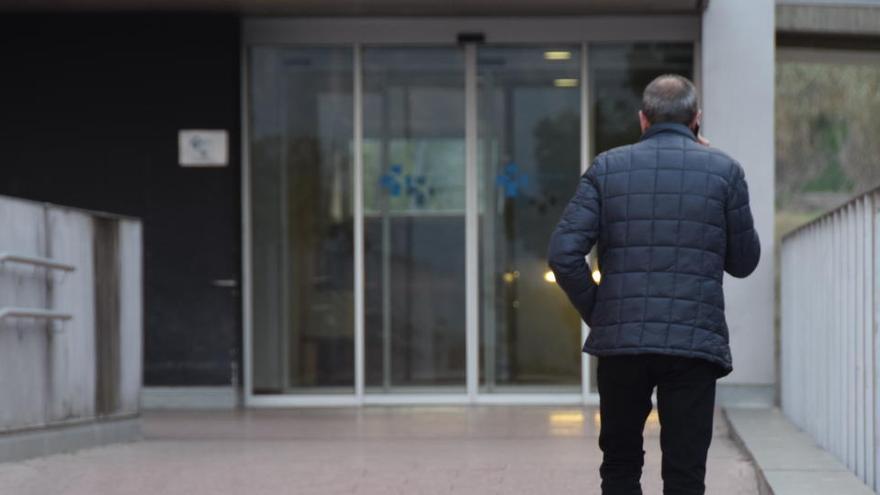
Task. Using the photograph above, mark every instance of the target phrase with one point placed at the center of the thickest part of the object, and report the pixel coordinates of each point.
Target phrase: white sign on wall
(203, 148)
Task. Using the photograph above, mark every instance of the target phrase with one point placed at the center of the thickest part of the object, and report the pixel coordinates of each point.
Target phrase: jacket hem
(724, 367)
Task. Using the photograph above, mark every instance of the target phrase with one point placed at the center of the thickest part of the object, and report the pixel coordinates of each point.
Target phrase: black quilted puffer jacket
(670, 216)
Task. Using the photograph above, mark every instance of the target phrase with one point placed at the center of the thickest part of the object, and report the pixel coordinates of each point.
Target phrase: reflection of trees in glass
(557, 154)
(827, 116)
(620, 74)
(318, 230)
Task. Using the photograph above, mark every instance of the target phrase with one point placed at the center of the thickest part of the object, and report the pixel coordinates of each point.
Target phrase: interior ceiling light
(557, 55)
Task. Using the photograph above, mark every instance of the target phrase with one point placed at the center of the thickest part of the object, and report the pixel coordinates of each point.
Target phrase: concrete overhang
(372, 7)
(828, 17)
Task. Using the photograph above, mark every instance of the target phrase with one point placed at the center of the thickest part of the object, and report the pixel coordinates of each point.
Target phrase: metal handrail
(48, 314)
(36, 261)
(831, 211)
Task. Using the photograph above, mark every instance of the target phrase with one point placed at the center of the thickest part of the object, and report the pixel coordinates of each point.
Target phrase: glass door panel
(529, 163)
(301, 215)
(414, 234)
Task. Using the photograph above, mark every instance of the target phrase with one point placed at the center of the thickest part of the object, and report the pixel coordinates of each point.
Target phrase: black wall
(90, 106)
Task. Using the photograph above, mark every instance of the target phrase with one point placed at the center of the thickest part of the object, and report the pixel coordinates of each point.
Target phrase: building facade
(376, 232)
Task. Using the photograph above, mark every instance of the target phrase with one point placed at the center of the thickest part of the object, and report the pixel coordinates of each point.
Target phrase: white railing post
(829, 303)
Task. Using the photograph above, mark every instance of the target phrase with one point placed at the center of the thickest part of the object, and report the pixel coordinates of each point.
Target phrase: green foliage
(827, 116)
(831, 178)
(830, 134)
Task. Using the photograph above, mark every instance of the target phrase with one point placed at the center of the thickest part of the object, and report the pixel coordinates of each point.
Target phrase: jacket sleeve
(743, 245)
(572, 240)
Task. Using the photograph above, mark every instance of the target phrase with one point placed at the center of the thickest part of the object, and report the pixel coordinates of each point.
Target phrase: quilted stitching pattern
(669, 216)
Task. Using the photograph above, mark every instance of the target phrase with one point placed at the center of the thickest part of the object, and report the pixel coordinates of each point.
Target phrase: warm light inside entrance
(558, 418)
(557, 55)
(549, 277)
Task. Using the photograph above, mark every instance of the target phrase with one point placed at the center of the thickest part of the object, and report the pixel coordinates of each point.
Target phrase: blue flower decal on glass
(512, 180)
(390, 181)
(415, 186)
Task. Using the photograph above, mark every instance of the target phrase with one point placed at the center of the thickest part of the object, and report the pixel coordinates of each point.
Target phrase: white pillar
(738, 65)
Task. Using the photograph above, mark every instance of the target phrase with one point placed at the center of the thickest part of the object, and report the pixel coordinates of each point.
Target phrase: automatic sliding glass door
(302, 213)
(413, 128)
(412, 134)
(529, 162)
(414, 227)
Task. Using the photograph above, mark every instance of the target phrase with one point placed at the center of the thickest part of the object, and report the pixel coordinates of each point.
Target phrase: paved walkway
(381, 450)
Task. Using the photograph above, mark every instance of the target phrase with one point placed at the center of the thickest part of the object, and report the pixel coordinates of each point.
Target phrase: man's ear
(644, 123)
(698, 119)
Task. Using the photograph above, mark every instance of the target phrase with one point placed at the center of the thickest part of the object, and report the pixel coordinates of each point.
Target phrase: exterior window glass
(301, 216)
(414, 245)
(529, 162)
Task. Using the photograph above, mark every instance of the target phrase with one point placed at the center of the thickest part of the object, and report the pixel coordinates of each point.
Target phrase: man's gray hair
(670, 98)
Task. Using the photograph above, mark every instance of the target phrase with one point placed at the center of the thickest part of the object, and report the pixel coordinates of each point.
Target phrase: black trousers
(685, 405)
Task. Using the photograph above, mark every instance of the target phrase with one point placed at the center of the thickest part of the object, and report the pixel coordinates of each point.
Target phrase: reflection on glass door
(529, 135)
(301, 170)
(414, 249)
(301, 216)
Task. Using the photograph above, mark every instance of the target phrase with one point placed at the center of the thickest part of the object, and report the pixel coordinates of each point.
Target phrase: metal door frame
(357, 32)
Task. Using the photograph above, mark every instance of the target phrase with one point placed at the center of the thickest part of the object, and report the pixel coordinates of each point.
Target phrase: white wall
(72, 359)
(23, 346)
(738, 64)
(48, 370)
(131, 314)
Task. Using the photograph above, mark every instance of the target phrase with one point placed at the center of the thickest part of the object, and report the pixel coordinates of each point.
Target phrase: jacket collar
(668, 127)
